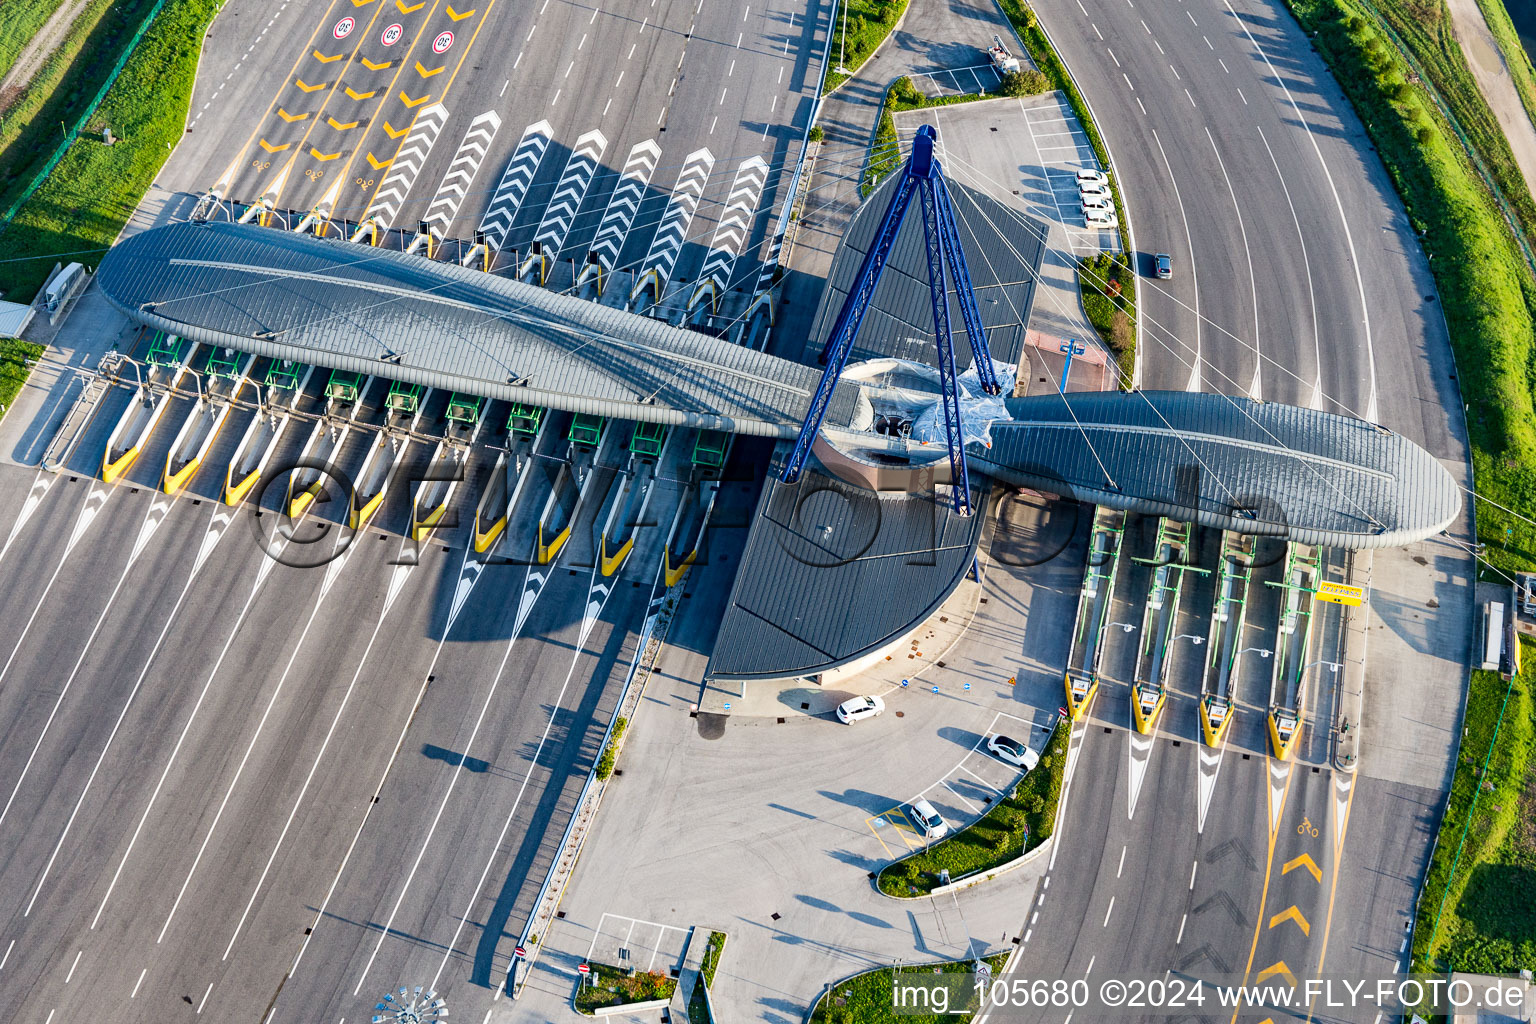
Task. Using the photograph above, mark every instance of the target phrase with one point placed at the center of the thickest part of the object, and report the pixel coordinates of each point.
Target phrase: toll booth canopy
(587, 429)
(403, 398)
(648, 439)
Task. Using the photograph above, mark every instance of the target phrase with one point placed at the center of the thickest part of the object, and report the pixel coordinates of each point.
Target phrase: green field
(15, 357)
(1012, 827)
(22, 20)
(867, 23)
(1481, 886)
(90, 195)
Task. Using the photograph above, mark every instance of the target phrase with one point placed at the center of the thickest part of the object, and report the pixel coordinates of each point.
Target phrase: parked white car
(1098, 203)
(928, 820)
(1092, 175)
(1093, 188)
(855, 708)
(1006, 748)
(1101, 218)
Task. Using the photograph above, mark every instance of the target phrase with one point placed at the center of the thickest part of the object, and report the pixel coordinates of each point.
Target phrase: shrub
(816, 134)
(611, 754)
(1027, 82)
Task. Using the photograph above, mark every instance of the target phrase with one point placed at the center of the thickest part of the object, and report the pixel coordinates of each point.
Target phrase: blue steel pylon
(922, 176)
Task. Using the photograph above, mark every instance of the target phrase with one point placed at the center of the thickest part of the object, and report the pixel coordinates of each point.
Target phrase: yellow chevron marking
(323, 157)
(1304, 861)
(339, 126)
(456, 16)
(307, 88)
(379, 165)
(290, 118)
(323, 59)
(361, 3)
(360, 95)
(1292, 914)
(274, 149)
(1274, 969)
(394, 132)
(424, 73)
(414, 103)
(371, 66)
(409, 9)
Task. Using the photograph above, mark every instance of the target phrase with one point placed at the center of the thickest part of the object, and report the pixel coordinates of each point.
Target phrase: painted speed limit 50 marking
(443, 41)
(392, 34)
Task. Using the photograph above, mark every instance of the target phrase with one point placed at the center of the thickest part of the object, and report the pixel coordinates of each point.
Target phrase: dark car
(1164, 265)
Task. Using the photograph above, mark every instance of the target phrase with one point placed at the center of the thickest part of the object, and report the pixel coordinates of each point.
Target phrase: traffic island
(998, 841)
(700, 961)
(869, 998)
(604, 989)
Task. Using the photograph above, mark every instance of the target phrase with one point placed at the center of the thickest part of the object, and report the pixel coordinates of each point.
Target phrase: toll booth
(165, 350)
(464, 409)
(224, 363)
(403, 399)
(648, 439)
(343, 386)
(525, 420)
(709, 449)
(586, 429)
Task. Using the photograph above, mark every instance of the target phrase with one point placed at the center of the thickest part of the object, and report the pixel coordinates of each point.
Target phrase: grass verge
(1011, 828)
(88, 198)
(1107, 281)
(16, 357)
(869, 998)
(22, 20)
(698, 1009)
(612, 986)
(62, 90)
(1481, 884)
(1050, 64)
(867, 23)
(1518, 61)
(1486, 289)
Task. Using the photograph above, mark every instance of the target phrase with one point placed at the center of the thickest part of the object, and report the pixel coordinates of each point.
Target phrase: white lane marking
(1223, 65)
(1144, 25)
(1143, 109)
(1082, 8)
(1109, 910)
(1090, 964)
(1191, 98)
(1127, 80)
(40, 485)
(1255, 390)
(204, 1000)
(1034, 917)
(1192, 869)
(1208, 43)
(1112, 56)
(1174, 70)
(504, 86)
(1317, 341)
(1242, 97)
(1371, 413)
(1192, 20)
(71, 973)
(1028, 933)
(1121, 868)
(1159, 47)
(1194, 373)
(1098, 33)
(1182, 922)
(135, 993)
(7, 956)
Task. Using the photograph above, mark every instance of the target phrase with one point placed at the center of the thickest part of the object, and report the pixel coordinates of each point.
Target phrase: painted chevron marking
(424, 73)
(407, 164)
(416, 102)
(323, 59)
(625, 202)
(1304, 861)
(1274, 969)
(323, 157)
(274, 149)
(673, 229)
(509, 194)
(455, 15)
(736, 222)
(360, 95)
(461, 172)
(1292, 913)
(307, 88)
(378, 165)
(361, 3)
(371, 66)
(290, 118)
(341, 127)
(394, 132)
(570, 191)
(412, 9)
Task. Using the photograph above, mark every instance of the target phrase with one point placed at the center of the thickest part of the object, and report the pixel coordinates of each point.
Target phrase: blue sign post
(1070, 348)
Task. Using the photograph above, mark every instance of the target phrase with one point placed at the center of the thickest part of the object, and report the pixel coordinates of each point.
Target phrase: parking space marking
(981, 780)
(973, 808)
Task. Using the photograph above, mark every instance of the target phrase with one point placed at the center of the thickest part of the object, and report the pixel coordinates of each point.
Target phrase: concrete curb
(1351, 704)
(618, 1008)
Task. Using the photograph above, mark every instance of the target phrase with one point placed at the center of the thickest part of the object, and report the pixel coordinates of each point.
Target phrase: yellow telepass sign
(1341, 593)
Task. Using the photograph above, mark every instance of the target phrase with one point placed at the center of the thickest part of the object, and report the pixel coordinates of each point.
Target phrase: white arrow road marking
(571, 189)
(1209, 767)
(1343, 782)
(509, 195)
(407, 165)
(1279, 772)
(1141, 756)
(625, 202)
(461, 172)
(40, 485)
(672, 232)
(736, 223)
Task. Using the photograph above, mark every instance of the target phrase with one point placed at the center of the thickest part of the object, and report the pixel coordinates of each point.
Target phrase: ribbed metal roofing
(354, 307)
(832, 572)
(1003, 251)
(1230, 463)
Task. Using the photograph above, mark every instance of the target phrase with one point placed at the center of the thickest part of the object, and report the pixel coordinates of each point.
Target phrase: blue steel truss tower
(924, 178)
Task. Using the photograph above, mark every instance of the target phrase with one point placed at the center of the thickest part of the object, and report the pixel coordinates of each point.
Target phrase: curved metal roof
(1230, 463)
(1219, 461)
(354, 307)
